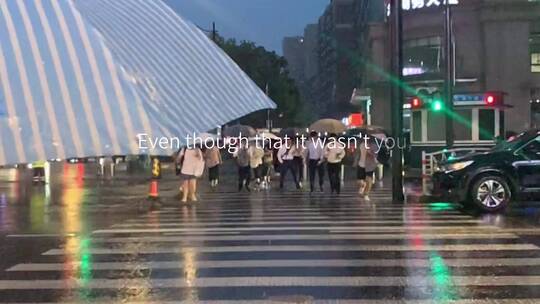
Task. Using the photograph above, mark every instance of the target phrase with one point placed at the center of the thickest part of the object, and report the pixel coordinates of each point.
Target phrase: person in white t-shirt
(285, 157)
(191, 161)
(315, 156)
(334, 152)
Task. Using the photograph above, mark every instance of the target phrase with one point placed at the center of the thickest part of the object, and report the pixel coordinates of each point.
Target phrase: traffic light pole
(397, 99)
(450, 78)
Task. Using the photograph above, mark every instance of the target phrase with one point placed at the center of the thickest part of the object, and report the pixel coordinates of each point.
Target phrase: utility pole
(450, 76)
(268, 121)
(214, 32)
(397, 99)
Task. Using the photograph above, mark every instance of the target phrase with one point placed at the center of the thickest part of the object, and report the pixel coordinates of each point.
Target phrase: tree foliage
(267, 68)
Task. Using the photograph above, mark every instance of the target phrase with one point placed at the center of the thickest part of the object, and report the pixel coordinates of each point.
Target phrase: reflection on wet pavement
(79, 239)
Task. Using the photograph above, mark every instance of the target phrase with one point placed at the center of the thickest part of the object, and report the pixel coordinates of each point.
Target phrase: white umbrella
(267, 135)
(328, 125)
(84, 78)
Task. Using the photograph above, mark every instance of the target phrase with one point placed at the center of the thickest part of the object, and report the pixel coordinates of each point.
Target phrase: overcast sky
(265, 22)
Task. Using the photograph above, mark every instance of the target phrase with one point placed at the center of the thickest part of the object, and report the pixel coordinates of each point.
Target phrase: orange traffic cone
(154, 190)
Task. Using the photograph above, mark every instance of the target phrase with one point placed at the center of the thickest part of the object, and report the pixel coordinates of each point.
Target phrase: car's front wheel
(491, 193)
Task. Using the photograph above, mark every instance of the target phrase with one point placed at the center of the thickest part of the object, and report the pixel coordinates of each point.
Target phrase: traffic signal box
(494, 99)
(432, 101)
(435, 102)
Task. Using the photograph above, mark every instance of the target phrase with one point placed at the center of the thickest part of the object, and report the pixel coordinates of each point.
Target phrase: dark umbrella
(237, 130)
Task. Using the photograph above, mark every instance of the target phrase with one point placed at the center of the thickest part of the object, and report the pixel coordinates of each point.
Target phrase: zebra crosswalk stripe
(283, 246)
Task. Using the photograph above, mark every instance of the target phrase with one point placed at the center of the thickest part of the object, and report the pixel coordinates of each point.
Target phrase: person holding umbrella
(213, 161)
(243, 158)
(298, 161)
(285, 157)
(256, 154)
(268, 160)
(191, 165)
(334, 153)
(315, 160)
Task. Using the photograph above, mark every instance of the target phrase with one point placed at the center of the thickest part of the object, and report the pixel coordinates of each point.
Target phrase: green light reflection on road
(85, 268)
(441, 206)
(444, 290)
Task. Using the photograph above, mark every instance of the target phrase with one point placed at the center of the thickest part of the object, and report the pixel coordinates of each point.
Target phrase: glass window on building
(422, 55)
(437, 123)
(486, 124)
(463, 124)
(534, 47)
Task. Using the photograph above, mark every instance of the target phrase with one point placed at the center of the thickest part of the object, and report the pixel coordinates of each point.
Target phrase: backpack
(383, 156)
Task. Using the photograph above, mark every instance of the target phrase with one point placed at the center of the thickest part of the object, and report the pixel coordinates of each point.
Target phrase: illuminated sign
(409, 71)
(418, 4)
(409, 5)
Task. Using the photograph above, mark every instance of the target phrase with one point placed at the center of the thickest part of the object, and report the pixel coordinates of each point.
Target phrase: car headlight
(457, 166)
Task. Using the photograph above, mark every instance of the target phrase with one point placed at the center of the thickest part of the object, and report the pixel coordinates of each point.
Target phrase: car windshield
(512, 142)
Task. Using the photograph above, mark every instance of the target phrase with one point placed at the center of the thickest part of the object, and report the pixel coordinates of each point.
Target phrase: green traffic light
(437, 105)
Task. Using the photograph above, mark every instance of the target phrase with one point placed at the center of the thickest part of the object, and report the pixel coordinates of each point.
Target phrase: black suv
(492, 179)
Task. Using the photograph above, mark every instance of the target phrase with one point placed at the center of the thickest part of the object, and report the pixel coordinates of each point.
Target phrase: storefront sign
(418, 4)
(469, 99)
(409, 5)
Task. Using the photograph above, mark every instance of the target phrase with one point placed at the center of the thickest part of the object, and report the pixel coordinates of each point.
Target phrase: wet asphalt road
(86, 240)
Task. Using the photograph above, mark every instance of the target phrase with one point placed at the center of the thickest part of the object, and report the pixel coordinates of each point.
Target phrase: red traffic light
(416, 102)
(493, 98)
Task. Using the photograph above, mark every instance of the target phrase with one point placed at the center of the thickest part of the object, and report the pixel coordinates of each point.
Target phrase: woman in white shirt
(334, 152)
(256, 154)
(191, 160)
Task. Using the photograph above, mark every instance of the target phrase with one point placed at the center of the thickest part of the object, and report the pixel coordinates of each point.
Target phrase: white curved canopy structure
(84, 77)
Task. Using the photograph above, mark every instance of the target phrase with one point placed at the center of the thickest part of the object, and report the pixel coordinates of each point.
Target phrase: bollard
(156, 168)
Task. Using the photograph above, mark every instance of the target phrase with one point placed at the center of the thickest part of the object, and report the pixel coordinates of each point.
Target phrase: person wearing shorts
(366, 162)
(213, 160)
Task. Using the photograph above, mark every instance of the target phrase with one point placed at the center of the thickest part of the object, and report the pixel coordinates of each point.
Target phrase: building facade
(497, 48)
(293, 51)
(336, 51)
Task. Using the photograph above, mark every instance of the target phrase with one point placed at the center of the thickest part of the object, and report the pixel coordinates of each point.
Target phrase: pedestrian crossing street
(285, 247)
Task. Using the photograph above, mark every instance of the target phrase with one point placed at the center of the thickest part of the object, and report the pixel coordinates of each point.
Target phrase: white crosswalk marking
(286, 249)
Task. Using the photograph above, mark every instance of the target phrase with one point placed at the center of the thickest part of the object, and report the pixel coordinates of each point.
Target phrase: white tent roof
(83, 78)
